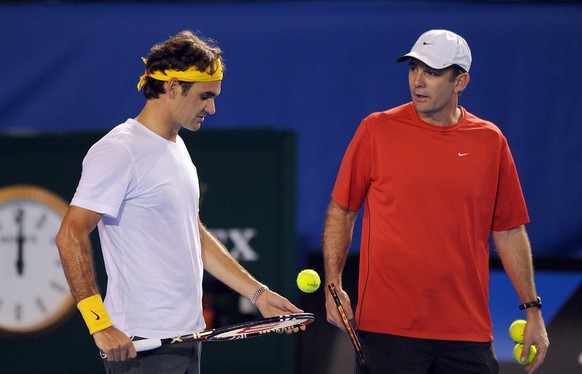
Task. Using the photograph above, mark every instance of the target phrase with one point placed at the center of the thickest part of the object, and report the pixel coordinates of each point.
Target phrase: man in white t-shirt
(140, 188)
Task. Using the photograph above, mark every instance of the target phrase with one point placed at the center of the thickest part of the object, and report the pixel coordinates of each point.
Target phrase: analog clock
(34, 295)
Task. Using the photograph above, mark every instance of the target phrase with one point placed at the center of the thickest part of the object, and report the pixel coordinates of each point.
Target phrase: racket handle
(147, 344)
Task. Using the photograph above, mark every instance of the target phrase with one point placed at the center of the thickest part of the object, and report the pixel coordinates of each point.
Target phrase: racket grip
(147, 344)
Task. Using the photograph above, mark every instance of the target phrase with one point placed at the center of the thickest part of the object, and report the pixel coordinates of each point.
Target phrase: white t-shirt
(146, 188)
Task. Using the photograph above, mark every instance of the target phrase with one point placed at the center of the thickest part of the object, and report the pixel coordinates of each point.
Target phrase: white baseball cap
(440, 49)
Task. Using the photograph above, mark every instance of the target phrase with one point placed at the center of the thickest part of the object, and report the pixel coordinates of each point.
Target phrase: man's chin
(193, 127)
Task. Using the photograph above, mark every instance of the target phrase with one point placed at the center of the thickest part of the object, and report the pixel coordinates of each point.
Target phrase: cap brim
(403, 58)
(431, 61)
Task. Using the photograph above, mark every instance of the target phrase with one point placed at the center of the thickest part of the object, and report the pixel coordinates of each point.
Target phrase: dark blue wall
(317, 68)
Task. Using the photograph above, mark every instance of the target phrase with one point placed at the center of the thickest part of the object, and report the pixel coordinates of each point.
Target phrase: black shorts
(388, 354)
(168, 359)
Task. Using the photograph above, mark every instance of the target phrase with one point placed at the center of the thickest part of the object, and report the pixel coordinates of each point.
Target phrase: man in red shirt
(434, 181)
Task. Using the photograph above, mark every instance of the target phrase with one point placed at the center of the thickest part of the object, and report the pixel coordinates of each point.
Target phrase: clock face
(34, 295)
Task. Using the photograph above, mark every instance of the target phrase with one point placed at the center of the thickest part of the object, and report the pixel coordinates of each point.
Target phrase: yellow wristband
(93, 311)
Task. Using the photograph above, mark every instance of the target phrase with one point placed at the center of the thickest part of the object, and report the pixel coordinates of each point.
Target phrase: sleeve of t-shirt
(510, 207)
(353, 179)
(107, 173)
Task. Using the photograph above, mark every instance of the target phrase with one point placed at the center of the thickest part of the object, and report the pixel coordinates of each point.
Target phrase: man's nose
(210, 107)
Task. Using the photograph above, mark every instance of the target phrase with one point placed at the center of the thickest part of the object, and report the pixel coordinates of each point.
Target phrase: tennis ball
(530, 357)
(308, 280)
(516, 330)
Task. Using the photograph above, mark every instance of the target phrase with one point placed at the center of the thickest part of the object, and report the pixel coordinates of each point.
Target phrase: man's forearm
(515, 252)
(74, 244)
(220, 263)
(337, 236)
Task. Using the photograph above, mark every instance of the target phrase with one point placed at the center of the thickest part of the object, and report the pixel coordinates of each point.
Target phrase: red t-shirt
(432, 195)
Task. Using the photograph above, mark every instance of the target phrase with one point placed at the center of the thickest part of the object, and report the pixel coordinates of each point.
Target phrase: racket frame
(237, 331)
(348, 325)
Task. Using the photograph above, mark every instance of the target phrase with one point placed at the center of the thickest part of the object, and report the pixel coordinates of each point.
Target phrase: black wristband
(532, 304)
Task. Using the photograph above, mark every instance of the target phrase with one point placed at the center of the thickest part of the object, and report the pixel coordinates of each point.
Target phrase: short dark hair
(181, 52)
(457, 70)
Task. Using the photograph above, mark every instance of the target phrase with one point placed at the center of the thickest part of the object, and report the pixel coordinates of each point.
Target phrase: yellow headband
(190, 75)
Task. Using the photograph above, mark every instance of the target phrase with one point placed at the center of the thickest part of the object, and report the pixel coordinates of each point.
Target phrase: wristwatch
(532, 304)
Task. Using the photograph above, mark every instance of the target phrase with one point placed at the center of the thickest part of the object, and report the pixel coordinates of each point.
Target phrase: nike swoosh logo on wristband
(96, 315)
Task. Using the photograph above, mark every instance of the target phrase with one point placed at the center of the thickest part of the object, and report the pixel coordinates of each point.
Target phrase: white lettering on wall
(237, 241)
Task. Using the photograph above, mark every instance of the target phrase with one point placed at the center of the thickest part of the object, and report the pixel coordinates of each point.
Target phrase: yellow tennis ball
(308, 280)
(516, 330)
(530, 357)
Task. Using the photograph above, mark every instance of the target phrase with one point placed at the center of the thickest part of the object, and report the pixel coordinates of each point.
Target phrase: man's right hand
(114, 344)
(333, 315)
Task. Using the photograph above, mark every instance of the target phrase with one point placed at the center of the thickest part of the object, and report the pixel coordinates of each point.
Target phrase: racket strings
(264, 328)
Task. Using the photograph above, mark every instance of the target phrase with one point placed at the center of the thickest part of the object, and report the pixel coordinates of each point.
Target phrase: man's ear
(172, 87)
(462, 82)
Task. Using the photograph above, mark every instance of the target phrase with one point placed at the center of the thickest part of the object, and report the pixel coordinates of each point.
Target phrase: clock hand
(20, 242)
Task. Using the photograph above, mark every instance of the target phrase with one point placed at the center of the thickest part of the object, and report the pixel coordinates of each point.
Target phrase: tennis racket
(348, 326)
(233, 332)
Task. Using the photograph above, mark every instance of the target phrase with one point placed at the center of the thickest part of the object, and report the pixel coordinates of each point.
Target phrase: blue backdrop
(317, 68)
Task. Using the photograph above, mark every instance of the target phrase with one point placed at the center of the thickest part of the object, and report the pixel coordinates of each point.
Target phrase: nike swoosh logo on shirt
(462, 154)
